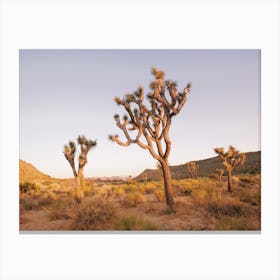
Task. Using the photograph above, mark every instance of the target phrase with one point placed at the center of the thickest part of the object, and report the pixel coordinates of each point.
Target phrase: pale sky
(64, 93)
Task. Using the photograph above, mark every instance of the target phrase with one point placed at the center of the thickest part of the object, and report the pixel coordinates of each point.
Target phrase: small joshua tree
(220, 172)
(145, 177)
(69, 152)
(230, 160)
(151, 125)
(192, 168)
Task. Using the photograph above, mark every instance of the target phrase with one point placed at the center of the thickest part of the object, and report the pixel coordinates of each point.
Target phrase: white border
(139, 24)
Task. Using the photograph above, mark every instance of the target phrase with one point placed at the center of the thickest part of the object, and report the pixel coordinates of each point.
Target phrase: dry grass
(132, 199)
(133, 222)
(201, 204)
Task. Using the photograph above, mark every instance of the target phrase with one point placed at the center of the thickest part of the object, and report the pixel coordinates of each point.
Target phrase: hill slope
(28, 173)
(206, 167)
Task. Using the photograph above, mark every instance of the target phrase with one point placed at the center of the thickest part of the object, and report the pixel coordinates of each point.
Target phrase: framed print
(212, 189)
(95, 94)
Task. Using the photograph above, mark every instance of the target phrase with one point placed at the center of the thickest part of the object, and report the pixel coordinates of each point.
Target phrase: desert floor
(201, 204)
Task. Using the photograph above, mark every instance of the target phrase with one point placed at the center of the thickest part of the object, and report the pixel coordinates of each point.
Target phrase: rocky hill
(28, 173)
(208, 166)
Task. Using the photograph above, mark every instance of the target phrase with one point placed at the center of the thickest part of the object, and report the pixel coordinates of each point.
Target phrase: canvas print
(139, 140)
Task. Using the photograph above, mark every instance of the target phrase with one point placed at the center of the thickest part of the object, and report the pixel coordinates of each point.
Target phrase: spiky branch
(151, 124)
(148, 127)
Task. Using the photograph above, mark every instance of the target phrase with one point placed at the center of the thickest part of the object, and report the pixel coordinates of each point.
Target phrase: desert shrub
(130, 188)
(214, 177)
(87, 190)
(103, 192)
(55, 186)
(159, 194)
(245, 180)
(181, 201)
(235, 223)
(148, 188)
(58, 210)
(118, 191)
(29, 204)
(27, 187)
(231, 206)
(250, 196)
(133, 222)
(94, 214)
(200, 196)
(151, 208)
(132, 199)
(206, 193)
(235, 179)
(47, 198)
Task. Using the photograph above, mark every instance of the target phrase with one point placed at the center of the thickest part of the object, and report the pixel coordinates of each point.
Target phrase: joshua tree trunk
(168, 186)
(229, 181)
(80, 185)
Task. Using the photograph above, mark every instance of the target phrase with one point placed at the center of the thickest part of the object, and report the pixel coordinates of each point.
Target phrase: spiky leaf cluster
(231, 158)
(70, 150)
(151, 123)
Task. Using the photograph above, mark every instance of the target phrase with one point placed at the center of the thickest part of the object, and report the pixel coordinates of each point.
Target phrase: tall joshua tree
(230, 160)
(69, 152)
(148, 127)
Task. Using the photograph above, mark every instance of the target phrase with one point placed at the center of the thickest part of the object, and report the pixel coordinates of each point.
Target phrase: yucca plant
(192, 168)
(230, 159)
(220, 172)
(69, 152)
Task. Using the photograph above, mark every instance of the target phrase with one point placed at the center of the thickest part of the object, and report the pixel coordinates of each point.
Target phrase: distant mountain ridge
(206, 167)
(29, 173)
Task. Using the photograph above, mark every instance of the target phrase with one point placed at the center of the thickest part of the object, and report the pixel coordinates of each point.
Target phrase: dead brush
(95, 214)
(29, 204)
(148, 188)
(58, 210)
(159, 194)
(118, 191)
(134, 222)
(229, 207)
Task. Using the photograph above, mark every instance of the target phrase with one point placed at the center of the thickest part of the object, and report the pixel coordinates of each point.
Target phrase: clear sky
(64, 93)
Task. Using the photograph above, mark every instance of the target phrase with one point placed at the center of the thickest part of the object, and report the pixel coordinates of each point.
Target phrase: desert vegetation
(201, 204)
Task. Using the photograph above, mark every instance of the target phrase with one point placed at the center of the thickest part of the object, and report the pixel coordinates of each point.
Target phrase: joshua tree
(69, 152)
(151, 125)
(230, 160)
(192, 168)
(220, 172)
(145, 177)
